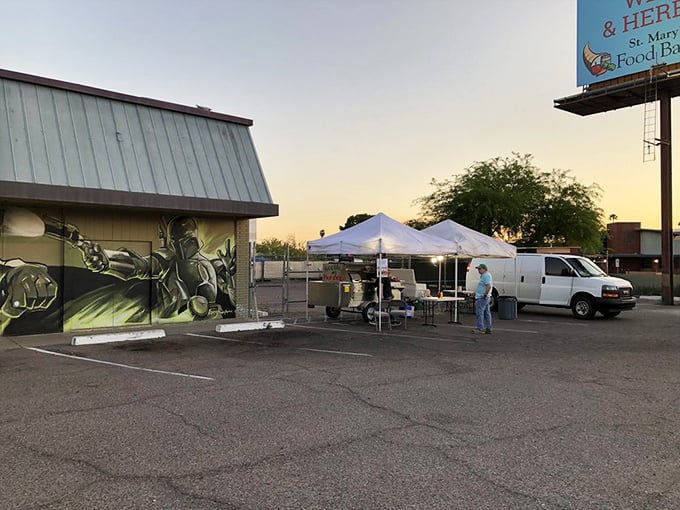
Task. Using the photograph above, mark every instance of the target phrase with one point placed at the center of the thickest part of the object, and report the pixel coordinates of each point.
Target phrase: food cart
(346, 286)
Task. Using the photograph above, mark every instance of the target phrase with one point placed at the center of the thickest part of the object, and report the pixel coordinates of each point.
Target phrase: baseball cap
(481, 266)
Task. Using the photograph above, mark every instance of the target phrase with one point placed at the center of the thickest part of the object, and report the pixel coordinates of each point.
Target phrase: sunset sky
(357, 104)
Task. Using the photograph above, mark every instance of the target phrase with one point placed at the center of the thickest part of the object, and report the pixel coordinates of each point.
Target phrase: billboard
(617, 38)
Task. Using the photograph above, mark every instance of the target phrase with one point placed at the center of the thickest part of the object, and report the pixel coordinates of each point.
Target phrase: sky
(357, 104)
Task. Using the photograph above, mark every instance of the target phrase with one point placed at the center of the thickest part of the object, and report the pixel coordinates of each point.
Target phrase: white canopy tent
(382, 235)
(470, 243)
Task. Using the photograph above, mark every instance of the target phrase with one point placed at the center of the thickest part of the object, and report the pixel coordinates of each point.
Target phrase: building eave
(41, 194)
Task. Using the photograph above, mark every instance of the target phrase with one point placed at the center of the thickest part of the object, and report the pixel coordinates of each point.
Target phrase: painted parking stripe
(334, 352)
(235, 340)
(552, 323)
(120, 365)
(266, 345)
(392, 334)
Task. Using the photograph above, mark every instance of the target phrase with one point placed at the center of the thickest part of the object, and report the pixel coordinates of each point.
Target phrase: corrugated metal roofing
(59, 134)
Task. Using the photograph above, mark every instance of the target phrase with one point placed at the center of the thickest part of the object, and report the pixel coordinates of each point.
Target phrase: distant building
(633, 248)
(561, 250)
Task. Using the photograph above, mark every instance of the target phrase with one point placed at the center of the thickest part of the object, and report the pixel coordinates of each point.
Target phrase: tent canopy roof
(382, 234)
(470, 243)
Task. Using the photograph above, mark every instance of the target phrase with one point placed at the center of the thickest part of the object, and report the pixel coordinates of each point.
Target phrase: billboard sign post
(629, 54)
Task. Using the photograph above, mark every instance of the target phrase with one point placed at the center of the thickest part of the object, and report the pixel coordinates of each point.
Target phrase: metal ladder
(649, 138)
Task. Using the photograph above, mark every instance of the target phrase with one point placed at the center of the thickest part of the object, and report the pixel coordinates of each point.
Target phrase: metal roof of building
(71, 144)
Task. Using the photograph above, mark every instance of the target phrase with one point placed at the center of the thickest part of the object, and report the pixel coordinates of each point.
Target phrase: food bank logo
(597, 63)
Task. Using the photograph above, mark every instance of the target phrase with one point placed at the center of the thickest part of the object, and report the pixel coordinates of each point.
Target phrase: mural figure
(182, 283)
(183, 277)
(24, 287)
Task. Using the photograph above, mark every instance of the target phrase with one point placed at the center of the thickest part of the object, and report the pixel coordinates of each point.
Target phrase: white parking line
(265, 345)
(334, 352)
(80, 358)
(570, 323)
(393, 334)
(235, 340)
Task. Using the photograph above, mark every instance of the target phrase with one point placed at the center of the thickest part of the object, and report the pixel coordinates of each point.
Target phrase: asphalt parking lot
(548, 412)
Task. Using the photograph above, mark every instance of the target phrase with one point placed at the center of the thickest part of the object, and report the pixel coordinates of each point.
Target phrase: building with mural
(118, 210)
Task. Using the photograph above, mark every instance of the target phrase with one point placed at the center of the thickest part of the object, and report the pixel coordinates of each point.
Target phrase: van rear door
(557, 282)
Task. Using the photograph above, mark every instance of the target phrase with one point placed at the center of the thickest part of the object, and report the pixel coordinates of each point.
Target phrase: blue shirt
(484, 280)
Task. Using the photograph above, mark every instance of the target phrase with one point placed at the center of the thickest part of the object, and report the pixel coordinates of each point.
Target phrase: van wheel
(583, 307)
(368, 311)
(610, 314)
(333, 312)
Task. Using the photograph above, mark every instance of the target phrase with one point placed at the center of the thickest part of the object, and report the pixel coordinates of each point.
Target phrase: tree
(355, 220)
(273, 247)
(569, 215)
(512, 199)
(418, 223)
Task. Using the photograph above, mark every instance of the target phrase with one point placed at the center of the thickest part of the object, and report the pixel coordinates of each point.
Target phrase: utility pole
(666, 199)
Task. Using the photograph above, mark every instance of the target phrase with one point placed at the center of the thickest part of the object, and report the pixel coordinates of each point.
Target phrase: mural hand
(27, 287)
(94, 257)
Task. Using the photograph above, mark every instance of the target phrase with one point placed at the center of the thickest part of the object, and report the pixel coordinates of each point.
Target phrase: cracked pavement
(546, 413)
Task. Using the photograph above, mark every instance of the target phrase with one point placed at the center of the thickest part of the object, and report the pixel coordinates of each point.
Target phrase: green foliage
(271, 246)
(276, 248)
(511, 199)
(569, 214)
(355, 220)
(418, 223)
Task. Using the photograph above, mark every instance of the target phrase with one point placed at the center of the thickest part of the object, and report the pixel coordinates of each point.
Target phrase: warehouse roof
(66, 143)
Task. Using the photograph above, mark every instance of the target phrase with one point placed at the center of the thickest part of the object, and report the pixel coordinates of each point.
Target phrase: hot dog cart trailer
(345, 286)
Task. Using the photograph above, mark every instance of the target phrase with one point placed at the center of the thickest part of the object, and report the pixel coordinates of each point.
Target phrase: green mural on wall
(184, 279)
(24, 287)
(179, 281)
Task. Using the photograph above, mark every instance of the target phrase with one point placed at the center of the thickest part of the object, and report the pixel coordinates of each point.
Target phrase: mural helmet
(183, 233)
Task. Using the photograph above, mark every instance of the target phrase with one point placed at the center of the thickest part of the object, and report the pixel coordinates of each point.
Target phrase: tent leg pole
(455, 286)
(307, 287)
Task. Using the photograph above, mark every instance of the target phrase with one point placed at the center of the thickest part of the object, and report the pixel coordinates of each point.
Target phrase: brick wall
(624, 237)
(242, 267)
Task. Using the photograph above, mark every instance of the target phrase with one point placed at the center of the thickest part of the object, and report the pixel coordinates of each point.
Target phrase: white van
(564, 281)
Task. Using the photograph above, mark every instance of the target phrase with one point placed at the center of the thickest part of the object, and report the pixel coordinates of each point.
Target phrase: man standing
(483, 300)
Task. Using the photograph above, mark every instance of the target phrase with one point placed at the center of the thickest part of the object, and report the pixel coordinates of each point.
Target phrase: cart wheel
(368, 311)
(333, 312)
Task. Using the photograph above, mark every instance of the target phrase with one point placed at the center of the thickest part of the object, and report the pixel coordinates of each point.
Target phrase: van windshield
(585, 267)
